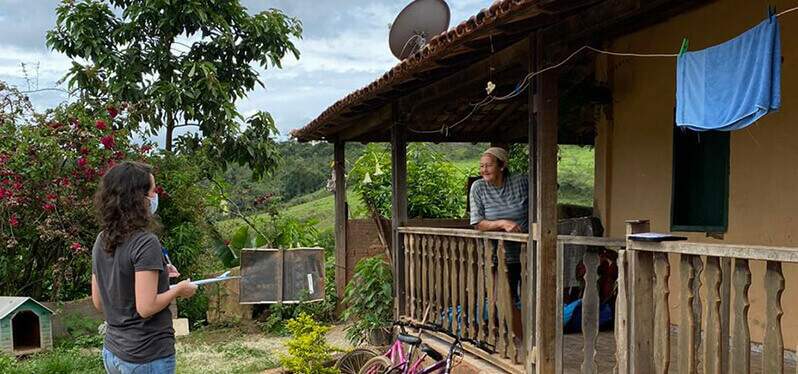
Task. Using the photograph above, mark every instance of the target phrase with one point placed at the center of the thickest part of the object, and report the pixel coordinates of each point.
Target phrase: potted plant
(369, 301)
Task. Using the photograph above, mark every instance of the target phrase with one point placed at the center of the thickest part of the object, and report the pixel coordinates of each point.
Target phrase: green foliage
(7, 363)
(179, 63)
(369, 298)
(276, 232)
(59, 361)
(81, 332)
(308, 350)
(575, 172)
(50, 165)
(436, 188)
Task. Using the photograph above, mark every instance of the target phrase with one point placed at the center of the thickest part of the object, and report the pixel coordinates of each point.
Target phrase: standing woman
(130, 277)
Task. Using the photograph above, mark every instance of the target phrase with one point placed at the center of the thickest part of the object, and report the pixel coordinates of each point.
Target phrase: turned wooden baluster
(741, 336)
(502, 294)
(712, 333)
(410, 283)
(590, 311)
(461, 275)
(690, 318)
(481, 298)
(622, 317)
(773, 350)
(662, 317)
(453, 291)
(471, 290)
(444, 284)
(490, 276)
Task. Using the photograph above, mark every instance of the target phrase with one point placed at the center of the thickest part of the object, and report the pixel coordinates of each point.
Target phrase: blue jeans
(115, 365)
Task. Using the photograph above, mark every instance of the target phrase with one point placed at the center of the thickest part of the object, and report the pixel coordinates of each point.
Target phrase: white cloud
(345, 47)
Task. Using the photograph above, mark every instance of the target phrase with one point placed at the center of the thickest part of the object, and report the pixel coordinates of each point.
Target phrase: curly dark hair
(121, 203)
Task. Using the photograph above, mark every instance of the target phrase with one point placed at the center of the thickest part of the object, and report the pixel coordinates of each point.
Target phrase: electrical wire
(521, 87)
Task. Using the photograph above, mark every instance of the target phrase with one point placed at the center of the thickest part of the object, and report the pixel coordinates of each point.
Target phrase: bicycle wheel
(352, 361)
(376, 365)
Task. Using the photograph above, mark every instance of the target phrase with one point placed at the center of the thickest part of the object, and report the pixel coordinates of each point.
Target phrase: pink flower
(82, 162)
(13, 221)
(112, 112)
(100, 124)
(48, 207)
(108, 141)
(76, 247)
(52, 197)
(84, 150)
(17, 186)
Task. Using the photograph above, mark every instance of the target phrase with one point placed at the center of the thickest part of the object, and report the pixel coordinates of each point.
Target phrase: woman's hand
(172, 271)
(510, 226)
(186, 289)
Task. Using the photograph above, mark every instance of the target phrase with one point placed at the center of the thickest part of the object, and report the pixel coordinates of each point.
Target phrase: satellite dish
(418, 22)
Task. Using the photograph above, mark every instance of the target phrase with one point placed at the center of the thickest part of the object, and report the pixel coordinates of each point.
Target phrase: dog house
(25, 326)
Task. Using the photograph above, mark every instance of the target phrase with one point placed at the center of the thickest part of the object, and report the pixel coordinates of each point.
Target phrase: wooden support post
(399, 206)
(531, 258)
(641, 306)
(546, 100)
(339, 168)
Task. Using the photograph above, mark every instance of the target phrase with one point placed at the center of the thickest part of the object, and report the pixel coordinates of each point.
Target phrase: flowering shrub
(50, 165)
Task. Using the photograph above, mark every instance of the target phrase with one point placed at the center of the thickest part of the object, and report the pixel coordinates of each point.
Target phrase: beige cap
(497, 152)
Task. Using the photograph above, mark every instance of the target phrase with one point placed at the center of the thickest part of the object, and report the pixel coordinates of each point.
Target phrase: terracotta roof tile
(435, 48)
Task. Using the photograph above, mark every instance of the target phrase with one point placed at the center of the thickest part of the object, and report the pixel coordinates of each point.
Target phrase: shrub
(369, 298)
(49, 168)
(436, 188)
(308, 350)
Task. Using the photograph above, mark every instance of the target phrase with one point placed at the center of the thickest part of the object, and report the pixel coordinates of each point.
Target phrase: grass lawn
(240, 349)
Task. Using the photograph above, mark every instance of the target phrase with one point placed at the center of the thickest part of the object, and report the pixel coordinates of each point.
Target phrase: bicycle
(395, 361)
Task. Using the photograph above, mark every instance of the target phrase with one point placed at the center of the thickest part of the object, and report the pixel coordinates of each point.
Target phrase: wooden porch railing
(643, 337)
(452, 272)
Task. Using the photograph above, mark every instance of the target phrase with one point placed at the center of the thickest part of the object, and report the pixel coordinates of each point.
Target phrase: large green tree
(179, 63)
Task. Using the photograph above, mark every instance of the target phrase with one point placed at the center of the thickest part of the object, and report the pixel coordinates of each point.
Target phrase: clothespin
(771, 12)
(683, 49)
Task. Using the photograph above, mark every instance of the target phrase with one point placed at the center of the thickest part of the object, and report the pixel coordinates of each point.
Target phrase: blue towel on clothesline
(731, 85)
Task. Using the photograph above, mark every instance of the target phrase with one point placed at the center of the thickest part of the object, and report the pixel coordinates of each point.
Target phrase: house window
(700, 199)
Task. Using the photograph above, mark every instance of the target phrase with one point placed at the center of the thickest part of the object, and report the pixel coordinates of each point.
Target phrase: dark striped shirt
(510, 201)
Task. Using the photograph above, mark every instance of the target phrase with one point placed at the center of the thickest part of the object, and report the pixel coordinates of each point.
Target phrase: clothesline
(525, 82)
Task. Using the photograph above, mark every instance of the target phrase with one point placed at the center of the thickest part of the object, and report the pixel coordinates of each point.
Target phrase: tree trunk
(170, 128)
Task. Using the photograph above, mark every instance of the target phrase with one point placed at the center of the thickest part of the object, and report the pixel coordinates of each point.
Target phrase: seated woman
(500, 202)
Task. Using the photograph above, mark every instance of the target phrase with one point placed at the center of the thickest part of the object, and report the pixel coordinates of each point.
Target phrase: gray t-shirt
(510, 201)
(130, 337)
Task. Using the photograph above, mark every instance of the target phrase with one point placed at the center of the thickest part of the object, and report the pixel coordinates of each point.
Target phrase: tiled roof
(435, 49)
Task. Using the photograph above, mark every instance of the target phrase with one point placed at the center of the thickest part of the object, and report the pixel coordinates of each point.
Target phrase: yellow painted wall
(634, 171)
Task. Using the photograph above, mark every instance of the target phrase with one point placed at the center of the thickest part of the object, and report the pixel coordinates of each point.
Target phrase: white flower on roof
(491, 86)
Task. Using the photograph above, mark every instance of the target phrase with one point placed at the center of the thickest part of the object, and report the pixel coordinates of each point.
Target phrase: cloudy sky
(344, 47)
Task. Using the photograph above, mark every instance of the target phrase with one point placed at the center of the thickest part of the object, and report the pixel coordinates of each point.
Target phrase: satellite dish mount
(417, 23)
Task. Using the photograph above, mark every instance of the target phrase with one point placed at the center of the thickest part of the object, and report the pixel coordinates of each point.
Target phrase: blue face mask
(153, 204)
